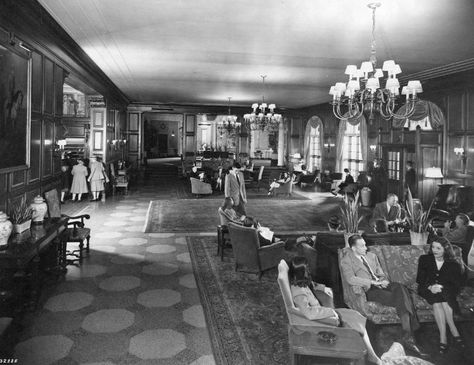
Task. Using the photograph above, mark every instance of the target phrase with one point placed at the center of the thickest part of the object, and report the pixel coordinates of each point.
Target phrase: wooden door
(395, 159)
(162, 145)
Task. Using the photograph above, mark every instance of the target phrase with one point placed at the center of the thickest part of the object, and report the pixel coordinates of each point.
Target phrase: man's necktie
(366, 264)
(238, 178)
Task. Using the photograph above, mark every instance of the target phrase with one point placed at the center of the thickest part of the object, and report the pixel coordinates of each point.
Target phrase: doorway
(162, 143)
(395, 159)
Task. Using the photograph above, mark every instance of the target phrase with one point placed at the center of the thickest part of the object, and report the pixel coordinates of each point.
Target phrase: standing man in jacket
(235, 188)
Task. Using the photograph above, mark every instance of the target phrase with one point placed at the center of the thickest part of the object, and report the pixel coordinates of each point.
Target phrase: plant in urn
(39, 208)
(5, 230)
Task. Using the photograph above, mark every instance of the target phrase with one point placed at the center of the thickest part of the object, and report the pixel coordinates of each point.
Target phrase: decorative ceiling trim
(440, 71)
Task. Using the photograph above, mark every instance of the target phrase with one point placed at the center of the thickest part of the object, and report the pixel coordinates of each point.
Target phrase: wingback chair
(299, 326)
(199, 187)
(249, 256)
(286, 188)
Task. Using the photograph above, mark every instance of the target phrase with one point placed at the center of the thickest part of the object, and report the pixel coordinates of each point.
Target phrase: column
(281, 144)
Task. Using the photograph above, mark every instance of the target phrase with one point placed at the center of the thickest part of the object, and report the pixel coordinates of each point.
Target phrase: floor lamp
(434, 173)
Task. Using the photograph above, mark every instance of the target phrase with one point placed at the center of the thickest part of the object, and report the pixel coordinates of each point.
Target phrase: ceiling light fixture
(229, 122)
(268, 121)
(370, 97)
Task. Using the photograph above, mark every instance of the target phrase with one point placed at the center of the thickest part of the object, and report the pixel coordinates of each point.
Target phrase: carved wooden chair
(75, 232)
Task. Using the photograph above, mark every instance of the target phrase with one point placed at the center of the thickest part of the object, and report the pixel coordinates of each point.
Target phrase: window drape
(313, 122)
(363, 140)
(423, 108)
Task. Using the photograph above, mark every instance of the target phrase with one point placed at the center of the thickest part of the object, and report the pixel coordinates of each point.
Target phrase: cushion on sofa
(402, 262)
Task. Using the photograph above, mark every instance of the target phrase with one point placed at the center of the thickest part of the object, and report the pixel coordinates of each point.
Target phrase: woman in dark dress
(439, 278)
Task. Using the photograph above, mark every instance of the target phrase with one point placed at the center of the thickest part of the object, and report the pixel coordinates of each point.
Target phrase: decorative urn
(5, 229)
(39, 208)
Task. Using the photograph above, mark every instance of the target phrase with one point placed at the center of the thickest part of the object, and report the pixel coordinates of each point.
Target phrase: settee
(400, 264)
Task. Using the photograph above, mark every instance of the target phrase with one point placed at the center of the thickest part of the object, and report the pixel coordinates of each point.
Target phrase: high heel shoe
(459, 342)
(443, 348)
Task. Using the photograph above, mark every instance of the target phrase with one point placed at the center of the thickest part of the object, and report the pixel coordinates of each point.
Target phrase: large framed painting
(15, 76)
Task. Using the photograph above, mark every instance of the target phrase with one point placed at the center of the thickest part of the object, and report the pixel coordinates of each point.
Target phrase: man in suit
(388, 211)
(410, 179)
(234, 188)
(362, 268)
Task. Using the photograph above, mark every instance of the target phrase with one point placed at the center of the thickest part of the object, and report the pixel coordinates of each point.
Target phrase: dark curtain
(423, 109)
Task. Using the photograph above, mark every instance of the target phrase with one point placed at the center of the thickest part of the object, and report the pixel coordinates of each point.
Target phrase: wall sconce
(461, 154)
(172, 133)
(373, 147)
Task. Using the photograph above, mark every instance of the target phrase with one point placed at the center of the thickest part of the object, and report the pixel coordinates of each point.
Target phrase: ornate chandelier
(363, 93)
(229, 122)
(266, 119)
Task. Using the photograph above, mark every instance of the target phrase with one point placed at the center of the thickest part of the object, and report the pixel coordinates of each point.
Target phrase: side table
(303, 340)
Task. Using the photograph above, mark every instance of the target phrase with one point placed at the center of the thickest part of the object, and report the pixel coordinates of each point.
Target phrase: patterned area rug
(247, 322)
(245, 317)
(200, 215)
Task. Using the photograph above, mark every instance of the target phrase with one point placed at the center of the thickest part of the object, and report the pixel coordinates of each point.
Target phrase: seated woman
(306, 294)
(439, 278)
(284, 178)
(264, 233)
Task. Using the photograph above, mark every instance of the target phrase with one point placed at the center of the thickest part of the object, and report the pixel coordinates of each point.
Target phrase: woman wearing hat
(79, 184)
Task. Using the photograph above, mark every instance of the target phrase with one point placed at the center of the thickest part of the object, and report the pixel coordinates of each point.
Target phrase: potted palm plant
(418, 220)
(20, 215)
(350, 216)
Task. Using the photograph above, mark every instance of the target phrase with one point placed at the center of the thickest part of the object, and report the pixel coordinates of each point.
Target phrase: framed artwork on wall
(15, 101)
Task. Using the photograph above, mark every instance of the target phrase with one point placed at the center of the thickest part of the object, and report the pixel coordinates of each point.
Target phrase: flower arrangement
(20, 212)
(350, 214)
(418, 219)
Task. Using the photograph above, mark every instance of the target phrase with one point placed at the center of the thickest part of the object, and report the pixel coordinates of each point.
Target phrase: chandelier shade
(363, 93)
(265, 118)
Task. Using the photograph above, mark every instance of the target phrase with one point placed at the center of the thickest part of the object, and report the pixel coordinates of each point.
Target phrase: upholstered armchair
(286, 188)
(199, 187)
(249, 255)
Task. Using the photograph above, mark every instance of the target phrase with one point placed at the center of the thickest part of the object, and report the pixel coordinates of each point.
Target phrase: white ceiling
(203, 51)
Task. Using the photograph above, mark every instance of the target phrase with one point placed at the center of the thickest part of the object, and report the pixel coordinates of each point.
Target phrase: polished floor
(133, 300)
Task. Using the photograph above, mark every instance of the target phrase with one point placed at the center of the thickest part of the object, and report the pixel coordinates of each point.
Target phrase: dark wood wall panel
(37, 83)
(35, 150)
(48, 140)
(58, 90)
(48, 86)
(455, 112)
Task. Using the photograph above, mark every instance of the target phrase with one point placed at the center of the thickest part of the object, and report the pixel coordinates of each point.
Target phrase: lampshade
(297, 155)
(433, 173)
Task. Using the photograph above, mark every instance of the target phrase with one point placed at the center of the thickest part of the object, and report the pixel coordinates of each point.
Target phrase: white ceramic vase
(5, 229)
(419, 238)
(40, 208)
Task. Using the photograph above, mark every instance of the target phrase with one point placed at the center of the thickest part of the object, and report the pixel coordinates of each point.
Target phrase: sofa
(400, 264)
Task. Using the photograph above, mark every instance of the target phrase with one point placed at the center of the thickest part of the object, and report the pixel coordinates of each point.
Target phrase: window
(393, 165)
(351, 153)
(315, 148)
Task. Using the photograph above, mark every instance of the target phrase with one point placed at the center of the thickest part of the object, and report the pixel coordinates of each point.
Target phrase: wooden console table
(24, 249)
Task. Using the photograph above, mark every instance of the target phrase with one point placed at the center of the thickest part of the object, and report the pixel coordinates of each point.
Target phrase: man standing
(378, 183)
(234, 188)
(410, 179)
(388, 211)
(362, 268)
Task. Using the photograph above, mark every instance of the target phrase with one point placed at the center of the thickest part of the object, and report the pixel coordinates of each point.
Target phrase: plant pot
(18, 228)
(419, 238)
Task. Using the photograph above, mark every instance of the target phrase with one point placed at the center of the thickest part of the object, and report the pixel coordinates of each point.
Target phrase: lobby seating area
(180, 182)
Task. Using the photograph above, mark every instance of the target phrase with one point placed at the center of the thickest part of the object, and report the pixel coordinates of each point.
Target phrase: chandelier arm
(408, 113)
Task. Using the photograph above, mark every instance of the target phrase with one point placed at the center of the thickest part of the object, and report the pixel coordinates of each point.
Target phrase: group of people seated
(438, 279)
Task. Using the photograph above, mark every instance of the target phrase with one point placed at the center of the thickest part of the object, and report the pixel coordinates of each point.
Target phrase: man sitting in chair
(265, 235)
(388, 211)
(362, 268)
